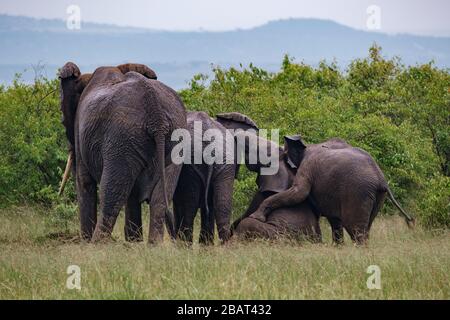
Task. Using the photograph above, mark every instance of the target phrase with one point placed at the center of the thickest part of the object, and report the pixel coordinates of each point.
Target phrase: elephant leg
(290, 197)
(250, 228)
(316, 236)
(207, 224)
(222, 203)
(254, 204)
(186, 230)
(356, 219)
(115, 188)
(133, 217)
(178, 210)
(379, 200)
(186, 210)
(358, 233)
(87, 200)
(157, 205)
(337, 230)
(186, 202)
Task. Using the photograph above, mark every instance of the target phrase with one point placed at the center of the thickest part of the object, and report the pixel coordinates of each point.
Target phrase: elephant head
(294, 147)
(280, 180)
(73, 83)
(236, 121)
(277, 180)
(72, 86)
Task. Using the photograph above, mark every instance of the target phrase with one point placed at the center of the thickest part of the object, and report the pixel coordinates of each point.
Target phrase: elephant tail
(410, 221)
(207, 185)
(161, 154)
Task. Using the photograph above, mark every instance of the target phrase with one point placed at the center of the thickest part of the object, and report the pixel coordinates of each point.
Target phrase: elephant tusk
(66, 173)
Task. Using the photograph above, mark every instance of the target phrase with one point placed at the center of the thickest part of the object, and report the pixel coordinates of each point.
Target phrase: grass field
(415, 264)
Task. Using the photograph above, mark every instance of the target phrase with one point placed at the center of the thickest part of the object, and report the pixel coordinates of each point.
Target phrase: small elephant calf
(298, 222)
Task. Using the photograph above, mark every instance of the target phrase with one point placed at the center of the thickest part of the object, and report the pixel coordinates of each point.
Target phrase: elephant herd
(119, 122)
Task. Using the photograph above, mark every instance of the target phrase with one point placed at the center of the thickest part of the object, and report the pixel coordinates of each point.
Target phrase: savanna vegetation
(33, 265)
(399, 114)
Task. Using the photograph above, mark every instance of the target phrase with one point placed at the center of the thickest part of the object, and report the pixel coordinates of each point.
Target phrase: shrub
(32, 143)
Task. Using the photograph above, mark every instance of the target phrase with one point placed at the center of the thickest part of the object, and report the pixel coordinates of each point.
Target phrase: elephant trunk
(66, 174)
(161, 154)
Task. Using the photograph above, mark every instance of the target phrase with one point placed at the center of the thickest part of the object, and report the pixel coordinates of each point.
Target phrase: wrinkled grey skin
(208, 187)
(296, 221)
(118, 122)
(344, 184)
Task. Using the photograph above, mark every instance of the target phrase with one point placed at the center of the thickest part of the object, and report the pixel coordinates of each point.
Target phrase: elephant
(297, 222)
(118, 122)
(342, 182)
(207, 186)
(300, 220)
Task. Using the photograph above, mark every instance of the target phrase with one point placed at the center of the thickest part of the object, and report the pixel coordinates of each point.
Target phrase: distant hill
(176, 56)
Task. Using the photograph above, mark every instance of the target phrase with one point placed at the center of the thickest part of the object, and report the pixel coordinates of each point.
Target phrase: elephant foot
(154, 243)
(224, 235)
(258, 215)
(101, 236)
(134, 239)
(85, 237)
(133, 235)
(155, 240)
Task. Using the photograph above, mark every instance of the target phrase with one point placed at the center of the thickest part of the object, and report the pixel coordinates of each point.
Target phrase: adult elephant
(344, 183)
(118, 122)
(207, 185)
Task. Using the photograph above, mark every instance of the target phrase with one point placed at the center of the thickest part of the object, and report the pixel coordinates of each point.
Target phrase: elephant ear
(69, 70)
(278, 181)
(139, 68)
(294, 147)
(236, 120)
(69, 76)
(233, 121)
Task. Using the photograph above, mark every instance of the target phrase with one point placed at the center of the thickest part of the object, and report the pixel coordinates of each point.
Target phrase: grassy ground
(33, 263)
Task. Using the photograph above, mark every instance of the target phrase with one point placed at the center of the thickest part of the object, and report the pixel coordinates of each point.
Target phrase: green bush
(400, 114)
(32, 142)
(61, 216)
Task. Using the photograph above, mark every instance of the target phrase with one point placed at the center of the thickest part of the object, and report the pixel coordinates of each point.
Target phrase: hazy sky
(429, 17)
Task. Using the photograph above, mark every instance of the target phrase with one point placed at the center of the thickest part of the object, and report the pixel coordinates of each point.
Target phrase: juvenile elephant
(119, 122)
(296, 221)
(344, 184)
(207, 186)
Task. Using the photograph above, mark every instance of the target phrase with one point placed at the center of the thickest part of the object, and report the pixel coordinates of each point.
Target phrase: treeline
(400, 114)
